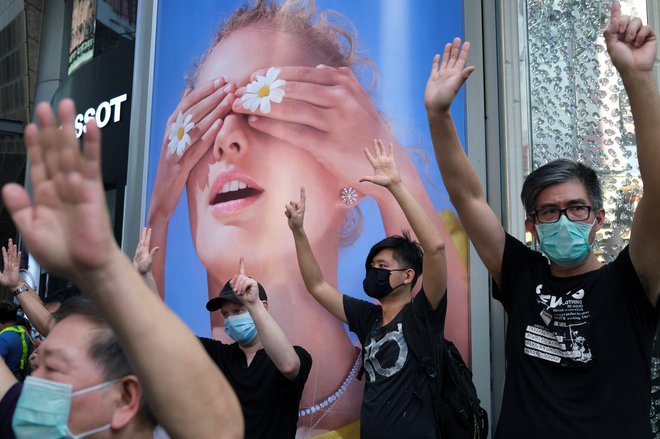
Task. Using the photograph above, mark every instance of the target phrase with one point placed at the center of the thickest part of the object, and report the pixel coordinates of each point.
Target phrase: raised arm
(328, 296)
(66, 228)
(275, 342)
(32, 306)
(632, 48)
(460, 179)
(387, 175)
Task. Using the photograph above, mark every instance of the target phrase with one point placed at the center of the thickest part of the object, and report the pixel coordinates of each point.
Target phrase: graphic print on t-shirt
(386, 356)
(561, 335)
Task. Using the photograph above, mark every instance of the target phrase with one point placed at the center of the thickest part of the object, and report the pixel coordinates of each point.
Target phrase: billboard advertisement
(220, 174)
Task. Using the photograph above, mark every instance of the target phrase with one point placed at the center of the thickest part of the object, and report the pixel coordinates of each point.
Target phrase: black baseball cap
(227, 294)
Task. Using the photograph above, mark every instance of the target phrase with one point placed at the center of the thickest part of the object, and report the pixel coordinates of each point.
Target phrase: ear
(410, 275)
(265, 302)
(600, 219)
(531, 228)
(128, 404)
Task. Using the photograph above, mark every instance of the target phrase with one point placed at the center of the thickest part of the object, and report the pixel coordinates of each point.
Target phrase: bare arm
(67, 230)
(30, 303)
(275, 342)
(435, 262)
(460, 179)
(328, 296)
(632, 48)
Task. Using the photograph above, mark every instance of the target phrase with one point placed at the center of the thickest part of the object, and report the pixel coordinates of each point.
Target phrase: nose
(231, 142)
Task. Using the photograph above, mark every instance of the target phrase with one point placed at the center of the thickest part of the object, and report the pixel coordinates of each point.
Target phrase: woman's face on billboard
(237, 191)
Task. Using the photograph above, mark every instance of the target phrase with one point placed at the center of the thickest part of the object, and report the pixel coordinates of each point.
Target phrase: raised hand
(245, 288)
(631, 44)
(382, 160)
(326, 112)
(295, 212)
(446, 78)
(144, 255)
(190, 132)
(11, 259)
(66, 227)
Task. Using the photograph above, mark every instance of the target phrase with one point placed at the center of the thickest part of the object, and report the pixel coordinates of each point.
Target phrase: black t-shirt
(7, 408)
(578, 350)
(397, 401)
(269, 400)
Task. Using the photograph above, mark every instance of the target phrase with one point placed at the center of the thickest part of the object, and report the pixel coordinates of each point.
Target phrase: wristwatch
(21, 289)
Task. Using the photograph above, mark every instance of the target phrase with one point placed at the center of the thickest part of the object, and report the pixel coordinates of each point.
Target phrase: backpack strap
(419, 337)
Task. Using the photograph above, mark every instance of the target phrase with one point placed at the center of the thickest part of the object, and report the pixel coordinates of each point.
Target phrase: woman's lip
(229, 178)
(248, 192)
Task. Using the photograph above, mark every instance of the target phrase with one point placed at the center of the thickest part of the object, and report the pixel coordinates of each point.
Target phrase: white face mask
(42, 410)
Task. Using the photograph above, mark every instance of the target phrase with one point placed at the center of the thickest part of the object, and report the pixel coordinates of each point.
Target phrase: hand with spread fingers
(11, 260)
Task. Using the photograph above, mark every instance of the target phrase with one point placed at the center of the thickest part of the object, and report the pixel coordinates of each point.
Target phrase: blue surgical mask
(241, 328)
(565, 242)
(42, 410)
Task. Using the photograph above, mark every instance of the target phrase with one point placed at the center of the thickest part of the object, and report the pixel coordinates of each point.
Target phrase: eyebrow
(574, 202)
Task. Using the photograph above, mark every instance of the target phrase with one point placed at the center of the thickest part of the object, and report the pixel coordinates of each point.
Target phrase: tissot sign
(107, 112)
(101, 89)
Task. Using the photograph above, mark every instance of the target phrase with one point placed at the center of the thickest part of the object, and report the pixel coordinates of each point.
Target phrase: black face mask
(377, 282)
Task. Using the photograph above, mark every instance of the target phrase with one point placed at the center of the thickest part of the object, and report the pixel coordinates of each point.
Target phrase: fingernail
(219, 80)
(229, 87)
(253, 119)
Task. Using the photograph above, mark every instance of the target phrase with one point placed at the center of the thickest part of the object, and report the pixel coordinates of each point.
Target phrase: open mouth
(234, 190)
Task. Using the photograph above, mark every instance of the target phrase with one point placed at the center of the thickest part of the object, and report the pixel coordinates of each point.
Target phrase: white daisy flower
(264, 90)
(179, 137)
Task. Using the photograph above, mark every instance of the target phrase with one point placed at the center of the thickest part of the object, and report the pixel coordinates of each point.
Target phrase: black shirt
(268, 399)
(397, 401)
(578, 350)
(7, 408)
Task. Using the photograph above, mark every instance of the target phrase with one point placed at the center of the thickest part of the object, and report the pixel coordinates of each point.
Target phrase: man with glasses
(579, 332)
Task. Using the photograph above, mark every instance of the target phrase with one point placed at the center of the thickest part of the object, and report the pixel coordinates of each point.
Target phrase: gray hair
(561, 171)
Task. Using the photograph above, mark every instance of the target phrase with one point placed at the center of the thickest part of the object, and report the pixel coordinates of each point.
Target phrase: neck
(6, 325)
(591, 263)
(393, 303)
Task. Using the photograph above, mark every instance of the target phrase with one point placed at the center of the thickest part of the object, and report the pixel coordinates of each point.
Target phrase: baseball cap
(227, 294)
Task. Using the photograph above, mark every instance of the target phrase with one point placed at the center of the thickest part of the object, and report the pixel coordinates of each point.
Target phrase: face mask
(241, 328)
(42, 410)
(565, 242)
(377, 282)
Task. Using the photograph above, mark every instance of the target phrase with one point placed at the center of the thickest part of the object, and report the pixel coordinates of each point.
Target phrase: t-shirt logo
(386, 356)
(561, 334)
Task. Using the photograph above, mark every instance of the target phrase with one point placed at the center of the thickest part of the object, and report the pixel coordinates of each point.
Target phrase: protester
(397, 399)
(66, 229)
(267, 373)
(579, 332)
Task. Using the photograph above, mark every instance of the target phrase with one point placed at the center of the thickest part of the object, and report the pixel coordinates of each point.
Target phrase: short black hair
(61, 295)
(407, 252)
(8, 312)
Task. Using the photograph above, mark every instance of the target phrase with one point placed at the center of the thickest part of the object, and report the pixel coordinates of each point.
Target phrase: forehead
(68, 343)
(563, 194)
(385, 255)
(249, 49)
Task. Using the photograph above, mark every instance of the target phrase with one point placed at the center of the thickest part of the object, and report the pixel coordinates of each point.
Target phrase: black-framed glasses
(552, 214)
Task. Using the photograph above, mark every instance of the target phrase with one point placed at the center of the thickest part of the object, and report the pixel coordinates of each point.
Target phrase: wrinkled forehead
(250, 49)
(70, 340)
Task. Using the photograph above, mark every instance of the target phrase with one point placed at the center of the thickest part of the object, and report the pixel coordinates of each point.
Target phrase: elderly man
(66, 229)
